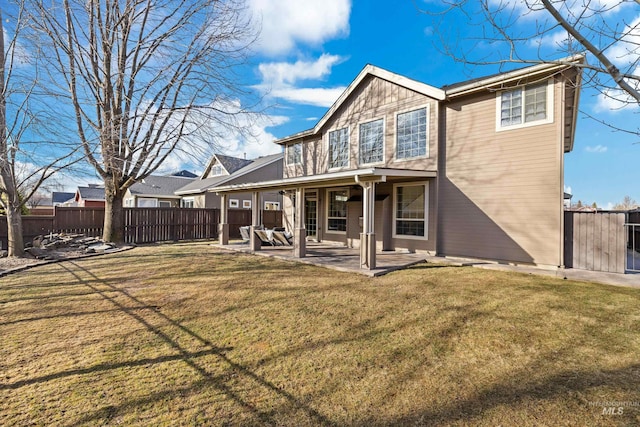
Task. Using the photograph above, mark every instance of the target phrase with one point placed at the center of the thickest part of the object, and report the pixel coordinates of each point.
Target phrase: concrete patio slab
(336, 257)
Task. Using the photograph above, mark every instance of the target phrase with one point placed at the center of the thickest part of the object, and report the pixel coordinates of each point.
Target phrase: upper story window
(187, 202)
(525, 106)
(411, 134)
(339, 148)
(294, 154)
(217, 170)
(371, 142)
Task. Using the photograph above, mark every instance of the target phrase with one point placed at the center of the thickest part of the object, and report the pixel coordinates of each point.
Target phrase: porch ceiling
(334, 179)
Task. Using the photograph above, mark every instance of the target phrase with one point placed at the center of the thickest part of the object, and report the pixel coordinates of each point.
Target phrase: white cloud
(281, 80)
(279, 73)
(596, 149)
(285, 23)
(567, 189)
(627, 50)
(614, 100)
(558, 39)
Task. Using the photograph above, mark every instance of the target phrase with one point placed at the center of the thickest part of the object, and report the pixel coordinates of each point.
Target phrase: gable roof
(61, 197)
(91, 193)
(202, 185)
(156, 185)
(369, 70)
(185, 174)
(229, 163)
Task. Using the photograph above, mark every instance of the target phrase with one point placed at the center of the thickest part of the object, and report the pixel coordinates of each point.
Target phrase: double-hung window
(371, 142)
(337, 210)
(525, 106)
(411, 134)
(339, 148)
(410, 210)
(294, 154)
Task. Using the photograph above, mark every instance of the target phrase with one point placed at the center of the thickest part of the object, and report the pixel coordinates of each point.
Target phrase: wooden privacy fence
(142, 225)
(595, 241)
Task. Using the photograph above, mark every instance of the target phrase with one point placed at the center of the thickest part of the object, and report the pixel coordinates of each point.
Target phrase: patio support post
(368, 236)
(255, 242)
(299, 233)
(223, 227)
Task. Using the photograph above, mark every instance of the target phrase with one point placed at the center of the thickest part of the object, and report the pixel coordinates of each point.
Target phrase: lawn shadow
(189, 358)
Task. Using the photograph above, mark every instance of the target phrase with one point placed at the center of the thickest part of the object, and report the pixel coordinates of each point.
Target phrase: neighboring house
(156, 191)
(91, 196)
(473, 169)
(567, 200)
(226, 170)
(59, 198)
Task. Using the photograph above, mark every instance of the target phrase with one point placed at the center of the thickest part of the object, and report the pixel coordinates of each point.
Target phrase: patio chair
(244, 233)
(264, 238)
(282, 238)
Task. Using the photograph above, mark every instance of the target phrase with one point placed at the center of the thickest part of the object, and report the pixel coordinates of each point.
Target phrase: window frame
(360, 124)
(145, 199)
(348, 163)
(427, 109)
(188, 200)
(234, 203)
(276, 205)
(549, 106)
(425, 220)
(216, 167)
(288, 148)
(328, 206)
(167, 203)
(246, 204)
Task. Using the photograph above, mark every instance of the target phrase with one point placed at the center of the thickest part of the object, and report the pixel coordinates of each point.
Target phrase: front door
(311, 217)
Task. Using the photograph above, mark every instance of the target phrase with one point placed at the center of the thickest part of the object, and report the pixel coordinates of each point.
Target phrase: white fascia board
(516, 74)
(156, 196)
(327, 179)
(369, 69)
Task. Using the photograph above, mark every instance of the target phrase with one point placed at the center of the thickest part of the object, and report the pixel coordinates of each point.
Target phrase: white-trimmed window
(217, 170)
(525, 106)
(339, 148)
(164, 204)
(410, 210)
(337, 210)
(371, 142)
(411, 134)
(147, 202)
(271, 206)
(234, 203)
(187, 202)
(294, 154)
(128, 203)
(246, 204)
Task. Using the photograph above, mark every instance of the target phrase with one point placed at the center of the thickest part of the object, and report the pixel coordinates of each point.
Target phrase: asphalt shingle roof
(155, 185)
(91, 193)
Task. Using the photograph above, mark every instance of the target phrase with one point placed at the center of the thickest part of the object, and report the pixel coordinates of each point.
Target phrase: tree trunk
(113, 214)
(14, 231)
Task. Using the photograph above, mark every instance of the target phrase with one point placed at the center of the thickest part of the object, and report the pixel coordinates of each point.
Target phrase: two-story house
(473, 169)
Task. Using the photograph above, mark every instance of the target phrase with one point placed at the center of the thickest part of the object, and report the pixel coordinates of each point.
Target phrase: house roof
(229, 163)
(185, 174)
(330, 179)
(159, 186)
(61, 197)
(369, 70)
(91, 193)
(491, 82)
(206, 184)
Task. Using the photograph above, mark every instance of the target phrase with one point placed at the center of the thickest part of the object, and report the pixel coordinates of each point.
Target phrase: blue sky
(307, 54)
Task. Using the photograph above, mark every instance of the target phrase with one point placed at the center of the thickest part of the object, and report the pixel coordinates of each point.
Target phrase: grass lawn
(192, 335)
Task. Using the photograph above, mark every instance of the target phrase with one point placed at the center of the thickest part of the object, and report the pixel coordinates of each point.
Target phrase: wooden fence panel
(142, 225)
(595, 241)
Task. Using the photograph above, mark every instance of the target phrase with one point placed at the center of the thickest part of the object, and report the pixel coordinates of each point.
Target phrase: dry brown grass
(191, 335)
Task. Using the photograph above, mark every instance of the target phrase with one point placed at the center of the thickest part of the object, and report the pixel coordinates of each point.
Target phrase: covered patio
(336, 257)
(367, 257)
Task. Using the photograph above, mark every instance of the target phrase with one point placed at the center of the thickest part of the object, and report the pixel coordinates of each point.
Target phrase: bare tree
(30, 152)
(146, 79)
(627, 204)
(502, 32)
